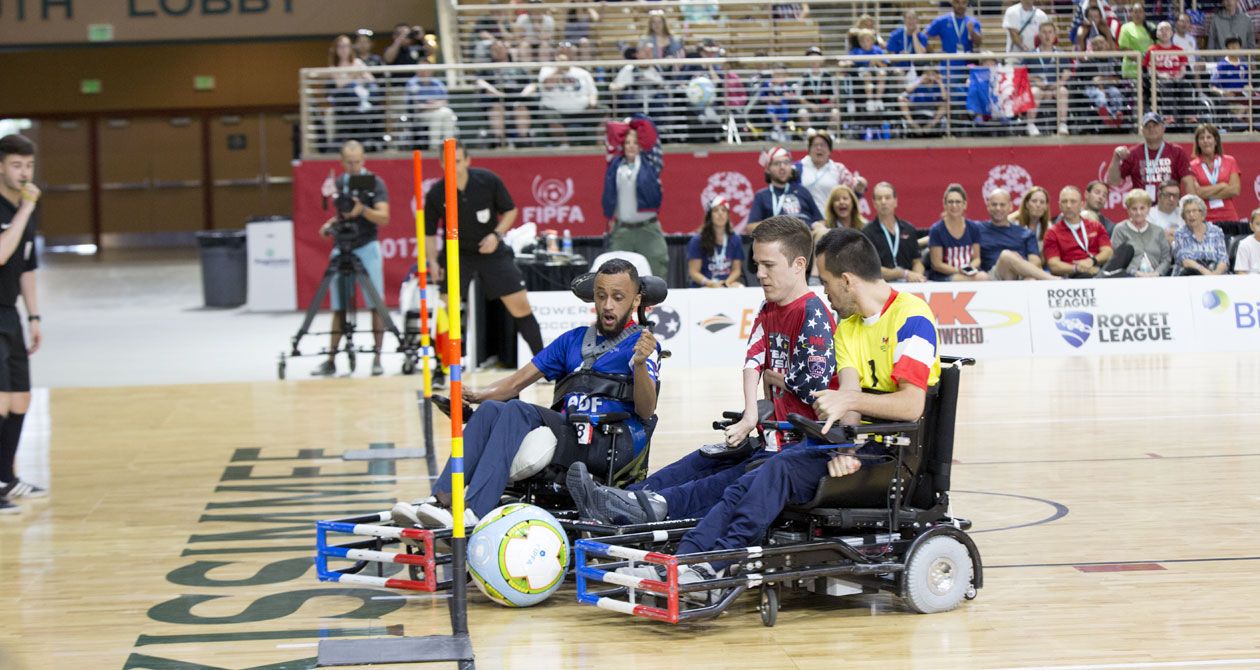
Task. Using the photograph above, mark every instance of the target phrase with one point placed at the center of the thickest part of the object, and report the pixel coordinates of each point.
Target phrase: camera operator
(359, 213)
(486, 213)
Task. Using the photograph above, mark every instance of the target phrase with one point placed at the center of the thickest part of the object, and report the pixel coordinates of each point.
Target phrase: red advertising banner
(563, 192)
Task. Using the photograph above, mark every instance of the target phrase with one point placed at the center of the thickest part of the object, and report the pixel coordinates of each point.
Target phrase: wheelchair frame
(800, 551)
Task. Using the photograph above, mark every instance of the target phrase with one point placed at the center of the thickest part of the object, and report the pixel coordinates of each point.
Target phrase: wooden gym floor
(1114, 503)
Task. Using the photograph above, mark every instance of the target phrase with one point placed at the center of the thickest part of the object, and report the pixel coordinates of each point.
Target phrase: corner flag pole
(459, 585)
(422, 280)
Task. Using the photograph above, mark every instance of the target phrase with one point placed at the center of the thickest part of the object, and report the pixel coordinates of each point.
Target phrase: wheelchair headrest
(652, 289)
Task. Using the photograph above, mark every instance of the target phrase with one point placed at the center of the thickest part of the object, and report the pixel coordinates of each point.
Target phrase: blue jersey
(564, 355)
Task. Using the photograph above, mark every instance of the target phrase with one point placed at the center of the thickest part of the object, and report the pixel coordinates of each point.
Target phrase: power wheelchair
(886, 527)
(384, 549)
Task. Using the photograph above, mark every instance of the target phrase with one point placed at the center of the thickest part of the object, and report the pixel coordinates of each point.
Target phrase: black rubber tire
(769, 606)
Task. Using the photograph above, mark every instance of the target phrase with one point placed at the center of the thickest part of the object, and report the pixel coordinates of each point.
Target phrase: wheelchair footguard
(420, 550)
(933, 571)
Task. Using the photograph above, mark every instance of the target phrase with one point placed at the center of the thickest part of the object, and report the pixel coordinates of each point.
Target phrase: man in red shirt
(1151, 163)
(1075, 247)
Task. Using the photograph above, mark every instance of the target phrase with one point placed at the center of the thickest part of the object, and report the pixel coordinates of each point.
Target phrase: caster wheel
(769, 605)
(350, 355)
(280, 368)
(408, 367)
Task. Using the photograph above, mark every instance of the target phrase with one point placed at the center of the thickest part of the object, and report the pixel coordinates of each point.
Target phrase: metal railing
(743, 28)
(734, 100)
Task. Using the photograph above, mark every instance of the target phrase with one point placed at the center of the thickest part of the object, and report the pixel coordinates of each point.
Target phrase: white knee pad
(533, 455)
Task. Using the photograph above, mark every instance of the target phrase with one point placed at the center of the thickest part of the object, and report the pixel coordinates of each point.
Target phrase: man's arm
(644, 383)
(505, 222)
(377, 214)
(1118, 156)
(11, 239)
(850, 403)
(507, 388)
(31, 302)
(431, 256)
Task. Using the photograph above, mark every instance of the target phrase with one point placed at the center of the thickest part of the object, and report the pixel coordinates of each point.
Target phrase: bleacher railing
(546, 106)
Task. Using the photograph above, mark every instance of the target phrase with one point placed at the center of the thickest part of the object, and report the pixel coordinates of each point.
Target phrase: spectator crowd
(1063, 77)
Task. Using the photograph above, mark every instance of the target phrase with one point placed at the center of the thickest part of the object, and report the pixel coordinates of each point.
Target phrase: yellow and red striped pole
(422, 281)
(422, 278)
(459, 622)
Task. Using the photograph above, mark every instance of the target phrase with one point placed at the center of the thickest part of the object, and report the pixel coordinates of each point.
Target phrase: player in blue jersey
(610, 366)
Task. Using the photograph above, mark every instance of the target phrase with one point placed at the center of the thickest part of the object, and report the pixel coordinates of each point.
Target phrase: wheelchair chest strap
(591, 351)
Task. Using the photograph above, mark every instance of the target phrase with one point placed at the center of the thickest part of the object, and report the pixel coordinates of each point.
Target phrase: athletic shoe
(611, 505)
(21, 489)
(325, 369)
(428, 515)
(377, 370)
(7, 507)
(439, 378)
(1063, 129)
(644, 571)
(699, 572)
(1033, 130)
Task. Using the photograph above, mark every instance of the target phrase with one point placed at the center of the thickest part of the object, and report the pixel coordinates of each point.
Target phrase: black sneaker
(21, 489)
(611, 505)
(439, 378)
(7, 507)
(325, 369)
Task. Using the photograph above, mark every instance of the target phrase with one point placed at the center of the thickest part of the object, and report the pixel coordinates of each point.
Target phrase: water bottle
(1145, 265)
(566, 244)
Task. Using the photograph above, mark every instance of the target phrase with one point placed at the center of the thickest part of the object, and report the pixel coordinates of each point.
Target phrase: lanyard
(1084, 245)
(894, 241)
(776, 202)
(1215, 174)
(959, 31)
(1147, 151)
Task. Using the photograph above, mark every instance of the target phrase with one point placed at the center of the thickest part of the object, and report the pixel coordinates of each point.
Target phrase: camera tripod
(345, 271)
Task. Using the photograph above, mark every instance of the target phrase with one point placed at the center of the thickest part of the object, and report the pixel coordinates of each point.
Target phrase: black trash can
(223, 267)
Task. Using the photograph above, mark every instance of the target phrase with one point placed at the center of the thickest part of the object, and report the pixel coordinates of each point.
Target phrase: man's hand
(737, 432)
(843, 464)
(36, 338)
(775, 378)
(644, 348)
(435, 271)
(915, 277)
(30, 193)
(356, 211)
(488, 244)
(473, 395)
(326, 229)
(830, 406)
(1121, 153)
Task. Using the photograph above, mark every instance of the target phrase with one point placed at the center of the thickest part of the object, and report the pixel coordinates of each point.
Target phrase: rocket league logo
(1074, 326)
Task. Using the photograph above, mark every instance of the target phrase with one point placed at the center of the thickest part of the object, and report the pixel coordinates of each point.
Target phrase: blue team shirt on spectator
(718, 264)
(794, 201)
(954, 251)
(1229, 75)
(897, 43)
(953, 32)
(926, 93)
(564, 355)
(875, 50)
(996, 239)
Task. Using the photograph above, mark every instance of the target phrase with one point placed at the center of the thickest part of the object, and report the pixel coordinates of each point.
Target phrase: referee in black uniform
(486, 212)
(18, 220)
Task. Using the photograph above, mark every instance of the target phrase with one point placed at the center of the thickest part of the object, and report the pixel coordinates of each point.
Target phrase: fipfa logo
(1215, 301)
(1075, 327)
(667, 322)
(735, 188)
(1013, 179)
(553, 196)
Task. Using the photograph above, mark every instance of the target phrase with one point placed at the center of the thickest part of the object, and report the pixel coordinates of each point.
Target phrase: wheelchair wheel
(350, 355)
(938, 575)
(280, 367)
(408, 366)
(769, 605)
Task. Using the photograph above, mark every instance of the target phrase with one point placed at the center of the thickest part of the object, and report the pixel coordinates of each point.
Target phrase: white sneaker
(1063, 129)
(879, 105)
(870, 106)
(432, 516)
(1033, 131)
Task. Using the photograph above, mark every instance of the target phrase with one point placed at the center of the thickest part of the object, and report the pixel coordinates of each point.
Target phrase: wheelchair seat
(863, 499)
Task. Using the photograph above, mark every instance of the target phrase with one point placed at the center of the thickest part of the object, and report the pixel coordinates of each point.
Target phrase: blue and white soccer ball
(518, 555)
(700, 91)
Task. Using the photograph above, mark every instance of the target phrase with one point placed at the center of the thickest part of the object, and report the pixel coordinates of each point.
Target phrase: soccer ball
(700, 91)
(518, 555)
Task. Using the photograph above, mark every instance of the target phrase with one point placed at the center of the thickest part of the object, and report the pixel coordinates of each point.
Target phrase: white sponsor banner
(708, 328)
(1116, 316)
(978, 319)
(1226, 312)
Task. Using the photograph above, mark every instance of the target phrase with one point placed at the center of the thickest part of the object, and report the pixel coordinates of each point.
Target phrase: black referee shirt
(23, 258)
(481, 203)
